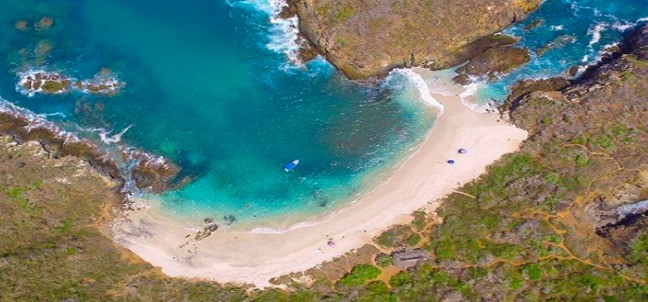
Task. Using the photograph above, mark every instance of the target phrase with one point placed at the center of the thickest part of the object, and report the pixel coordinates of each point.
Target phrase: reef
(37, 81)
(369, 38)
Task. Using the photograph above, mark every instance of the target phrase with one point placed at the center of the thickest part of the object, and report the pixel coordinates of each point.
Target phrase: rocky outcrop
(369, 38)
(150, 173)
(493, 62)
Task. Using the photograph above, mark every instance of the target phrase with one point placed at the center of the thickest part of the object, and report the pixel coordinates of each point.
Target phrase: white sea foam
(285, 39)
(284, 32)
(622, 25)
(595, 31)
(102, 83)
(105, 136)
(35, 121)
(420, 85)
(557, 27)
(469, 97)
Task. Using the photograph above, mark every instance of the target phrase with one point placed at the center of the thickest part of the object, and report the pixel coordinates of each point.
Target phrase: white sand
(244, 257)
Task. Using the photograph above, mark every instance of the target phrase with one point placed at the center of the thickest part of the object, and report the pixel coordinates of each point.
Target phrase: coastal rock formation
(493, 62)
(151, 173)
(49, 82)
(369, 38)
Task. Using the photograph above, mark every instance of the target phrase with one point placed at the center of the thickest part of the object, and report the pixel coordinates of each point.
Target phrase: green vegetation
(383, 260)
(344, 13)
(360, 274)
(527, 230)
(395, 236)
(55, 86)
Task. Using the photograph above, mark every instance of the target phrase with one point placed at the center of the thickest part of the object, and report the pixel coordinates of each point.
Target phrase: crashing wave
(284, 35)
(421, 86)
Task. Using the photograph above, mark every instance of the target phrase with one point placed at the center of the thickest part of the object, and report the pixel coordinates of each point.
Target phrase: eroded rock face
(369, 38)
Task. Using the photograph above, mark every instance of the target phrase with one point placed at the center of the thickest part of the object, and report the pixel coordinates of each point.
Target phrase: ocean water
(209, 84)
(580, 30)
(214, 85)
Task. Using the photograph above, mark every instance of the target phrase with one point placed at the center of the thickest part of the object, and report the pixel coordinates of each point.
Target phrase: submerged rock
(370, 38)
(44, 23)
(558, 42)
(533, 24)
(45, 82)
(37, 81)
(21, 25)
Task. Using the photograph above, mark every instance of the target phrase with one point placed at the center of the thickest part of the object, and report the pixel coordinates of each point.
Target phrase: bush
(360, 274)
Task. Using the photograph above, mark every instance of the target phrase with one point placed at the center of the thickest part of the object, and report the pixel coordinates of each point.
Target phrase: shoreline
(248, 257)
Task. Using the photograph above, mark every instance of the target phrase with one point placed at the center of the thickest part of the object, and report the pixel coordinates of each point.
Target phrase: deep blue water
(209, 85)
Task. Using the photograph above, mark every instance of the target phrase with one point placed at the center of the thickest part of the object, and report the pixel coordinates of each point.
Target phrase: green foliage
(506, 251)
(375, 291)
(477, 272)
(360, 274)
(552, 177)
(400, 279)
(639, 251)
(384, 261)
(344, 13)
(52, 86)
(272, 296)
(413, 239)
(581, 160)
(533, 271)
(420, 220)
(66, 225)
(394, 237)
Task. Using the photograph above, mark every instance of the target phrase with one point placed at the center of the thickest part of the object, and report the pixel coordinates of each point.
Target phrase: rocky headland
(369, 38)
(149, 173)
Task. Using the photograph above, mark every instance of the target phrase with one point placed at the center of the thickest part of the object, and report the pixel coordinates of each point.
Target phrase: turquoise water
(209, 85)
(203, 89)
(594, 25)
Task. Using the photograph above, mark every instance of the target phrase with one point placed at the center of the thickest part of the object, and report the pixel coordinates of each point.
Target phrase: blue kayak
(291, 165)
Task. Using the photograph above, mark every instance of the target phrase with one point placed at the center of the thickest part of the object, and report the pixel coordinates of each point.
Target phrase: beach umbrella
(462, 151)
(451, 161)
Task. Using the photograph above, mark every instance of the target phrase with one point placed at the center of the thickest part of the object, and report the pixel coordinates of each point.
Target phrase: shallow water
(210, 85)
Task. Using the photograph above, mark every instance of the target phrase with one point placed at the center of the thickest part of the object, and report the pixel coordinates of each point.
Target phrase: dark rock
(558, 42)
(155, 173)
(533, 24)
(492, 62)
(525, 87)
(229, 219)
(573, 71)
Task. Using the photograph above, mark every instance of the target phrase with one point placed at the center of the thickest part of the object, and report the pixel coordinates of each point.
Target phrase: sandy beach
(254, 258)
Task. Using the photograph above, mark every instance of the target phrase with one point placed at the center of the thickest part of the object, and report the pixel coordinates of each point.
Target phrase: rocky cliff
(365, 38)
